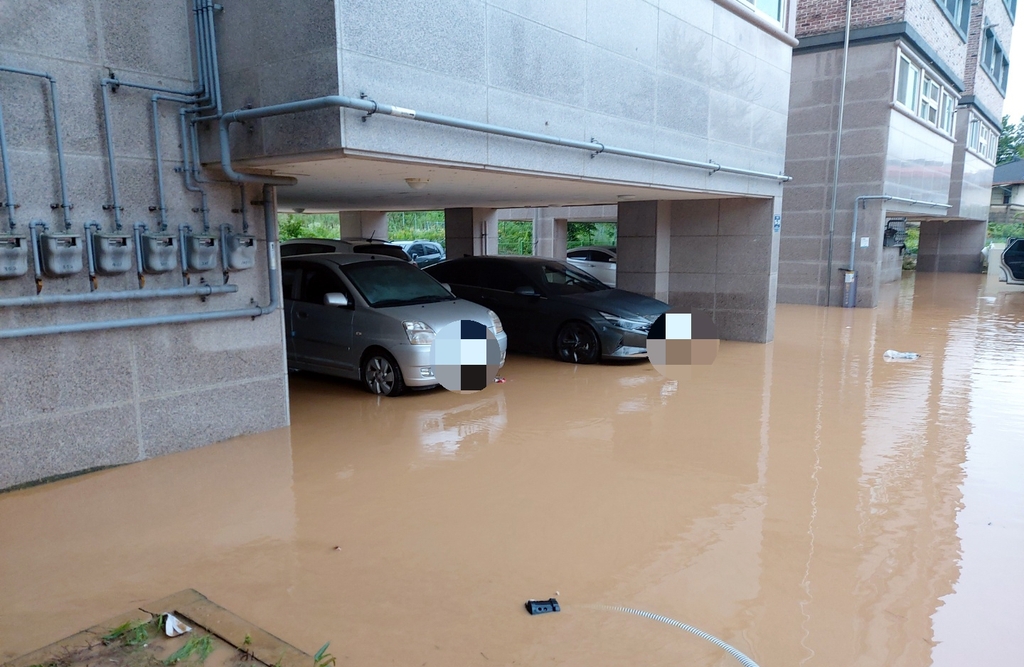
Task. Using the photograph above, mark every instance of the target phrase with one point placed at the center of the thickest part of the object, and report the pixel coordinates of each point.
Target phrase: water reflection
(803, 500)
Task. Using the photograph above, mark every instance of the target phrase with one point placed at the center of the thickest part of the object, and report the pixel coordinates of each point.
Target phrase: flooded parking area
(805, 501)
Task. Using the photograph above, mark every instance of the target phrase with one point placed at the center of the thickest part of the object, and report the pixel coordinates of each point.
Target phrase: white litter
(173, 627)
(893, 355)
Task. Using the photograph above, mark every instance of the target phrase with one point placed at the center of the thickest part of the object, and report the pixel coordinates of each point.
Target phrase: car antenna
(371, 235)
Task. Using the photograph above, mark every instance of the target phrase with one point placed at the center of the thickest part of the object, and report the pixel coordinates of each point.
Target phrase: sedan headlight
(495, 322)
(419, 333)
(627, 323)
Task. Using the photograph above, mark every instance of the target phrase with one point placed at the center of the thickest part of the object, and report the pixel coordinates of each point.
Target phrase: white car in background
(598, 261)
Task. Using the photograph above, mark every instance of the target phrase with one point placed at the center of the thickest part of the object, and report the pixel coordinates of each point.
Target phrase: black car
(549, 307)
(424, 253)
(1012, 262)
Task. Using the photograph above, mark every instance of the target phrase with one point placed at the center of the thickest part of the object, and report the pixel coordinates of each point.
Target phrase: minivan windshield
(387, 283)
(563, 279)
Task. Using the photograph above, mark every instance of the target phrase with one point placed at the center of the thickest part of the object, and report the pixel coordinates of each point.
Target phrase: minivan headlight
(419, 333)
(495, 322)
(627, 323)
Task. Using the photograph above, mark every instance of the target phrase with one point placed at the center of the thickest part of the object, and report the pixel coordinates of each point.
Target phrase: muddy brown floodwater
(805, 501)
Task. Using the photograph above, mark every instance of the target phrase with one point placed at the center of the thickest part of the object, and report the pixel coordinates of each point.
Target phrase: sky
(1014, 104)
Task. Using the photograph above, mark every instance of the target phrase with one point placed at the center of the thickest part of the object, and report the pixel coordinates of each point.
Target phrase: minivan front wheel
(577, 343)
(381, 374)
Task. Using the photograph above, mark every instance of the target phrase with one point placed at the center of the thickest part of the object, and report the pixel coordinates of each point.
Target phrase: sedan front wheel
(577, 343)
(381, 375)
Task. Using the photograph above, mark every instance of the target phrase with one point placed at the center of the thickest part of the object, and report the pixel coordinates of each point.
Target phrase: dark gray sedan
(549, 307)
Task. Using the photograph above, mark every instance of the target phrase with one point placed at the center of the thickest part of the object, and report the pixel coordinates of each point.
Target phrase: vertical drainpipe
(115, 195)
(10, 205)
(839, 147)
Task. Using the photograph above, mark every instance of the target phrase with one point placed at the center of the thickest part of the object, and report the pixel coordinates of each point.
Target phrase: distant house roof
(1009, 173)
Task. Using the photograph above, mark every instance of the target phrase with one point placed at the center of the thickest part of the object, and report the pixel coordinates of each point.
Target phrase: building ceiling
(350, 183)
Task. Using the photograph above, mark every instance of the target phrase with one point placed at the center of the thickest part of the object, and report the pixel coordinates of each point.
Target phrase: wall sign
(777, 223)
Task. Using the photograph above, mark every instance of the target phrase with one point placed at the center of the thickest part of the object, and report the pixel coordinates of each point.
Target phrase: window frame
(916, 102)
(911, 102)
(928, 105)
(960, 23)
(993, 59)
(947, 115)
(1011, 9)
(780, 19)
(982, 140)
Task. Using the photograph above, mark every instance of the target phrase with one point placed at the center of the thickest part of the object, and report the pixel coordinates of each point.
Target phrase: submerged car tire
(577, 343)
(381, 374)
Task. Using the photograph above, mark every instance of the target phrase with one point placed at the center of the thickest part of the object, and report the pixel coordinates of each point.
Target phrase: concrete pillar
(549, 234)
(364, 224)
(471, 231)
(951, 247)
(644, 229)
(724, 261)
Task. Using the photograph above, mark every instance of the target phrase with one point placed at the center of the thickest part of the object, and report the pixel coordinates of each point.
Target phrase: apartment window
(958, 12)
(1011, 8)
(948, 111)
(908, 76)
(929, 107)
(993, 59)
(982, 139)
(772, 8)
(921, 92)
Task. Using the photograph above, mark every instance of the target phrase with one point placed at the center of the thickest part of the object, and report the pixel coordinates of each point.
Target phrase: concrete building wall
(804, 248)
(75, 401)
(976, 190)
(624, 73)
(952, 246)
(814, 17)
(985, 90)
(919, 160)
(892, 265)
(937, 30)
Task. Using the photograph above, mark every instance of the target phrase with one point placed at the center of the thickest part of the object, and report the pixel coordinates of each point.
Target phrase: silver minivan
(370, 318)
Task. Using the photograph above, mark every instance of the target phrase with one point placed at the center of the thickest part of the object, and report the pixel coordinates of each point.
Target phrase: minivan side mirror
(335, 299)
(526, 291)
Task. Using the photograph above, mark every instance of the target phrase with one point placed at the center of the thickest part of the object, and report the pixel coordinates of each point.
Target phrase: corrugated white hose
(744, 660)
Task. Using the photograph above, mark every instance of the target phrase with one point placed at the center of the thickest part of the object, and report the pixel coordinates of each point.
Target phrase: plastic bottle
(893, 354)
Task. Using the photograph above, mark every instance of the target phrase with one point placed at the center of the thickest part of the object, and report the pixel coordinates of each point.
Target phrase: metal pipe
(123, 295)
(839, 148)
(183, 230)
(117, 83)
(205, 57)
(215, 62)
(90, 253)
(162, 207)
(37, 259)
(225, 229)
(241, 208)
(254, 311)
(372, 107)
(64, 205)
(858, 202)
(9, 202)
(138, 228)
(115, 194)
(187, 168)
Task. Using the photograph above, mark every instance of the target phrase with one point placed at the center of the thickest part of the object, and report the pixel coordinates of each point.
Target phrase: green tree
(308, 226)
(1011, 141)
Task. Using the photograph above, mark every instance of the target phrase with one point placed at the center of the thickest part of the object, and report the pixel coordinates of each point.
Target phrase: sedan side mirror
(335, 299)
(447, 287)
(526, 291)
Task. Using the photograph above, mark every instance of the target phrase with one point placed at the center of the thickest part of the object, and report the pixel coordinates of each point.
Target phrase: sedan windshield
(385, 284)
(563, 279)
